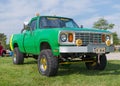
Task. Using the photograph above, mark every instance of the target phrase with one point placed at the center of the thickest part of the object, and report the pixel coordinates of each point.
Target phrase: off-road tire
(97, 65)
(18, 57)
(103, 62)
(51, 63)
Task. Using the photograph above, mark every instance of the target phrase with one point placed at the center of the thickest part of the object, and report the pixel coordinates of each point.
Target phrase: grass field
(75, 75)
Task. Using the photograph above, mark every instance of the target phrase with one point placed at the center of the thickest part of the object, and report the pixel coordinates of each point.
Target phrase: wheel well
(15, 45)
(44, 45)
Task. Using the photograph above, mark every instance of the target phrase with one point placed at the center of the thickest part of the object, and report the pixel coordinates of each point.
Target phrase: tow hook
(98, 59)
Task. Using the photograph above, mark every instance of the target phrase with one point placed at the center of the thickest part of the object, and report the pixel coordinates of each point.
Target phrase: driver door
(29, 38)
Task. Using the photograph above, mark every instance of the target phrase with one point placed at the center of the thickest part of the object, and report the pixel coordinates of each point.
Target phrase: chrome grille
(89, 38)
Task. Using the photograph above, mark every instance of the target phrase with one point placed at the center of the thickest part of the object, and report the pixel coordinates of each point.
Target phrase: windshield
(55, 22)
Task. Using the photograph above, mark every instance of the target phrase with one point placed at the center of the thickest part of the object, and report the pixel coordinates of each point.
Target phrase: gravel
(113, 56)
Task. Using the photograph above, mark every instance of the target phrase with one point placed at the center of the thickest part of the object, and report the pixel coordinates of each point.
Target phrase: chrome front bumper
(85, 49)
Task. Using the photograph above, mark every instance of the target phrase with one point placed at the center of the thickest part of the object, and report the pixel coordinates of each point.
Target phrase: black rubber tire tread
(35, 57)
(98, 66)
(103, 62)
(19, 56)
(89, 67)
(52, 63)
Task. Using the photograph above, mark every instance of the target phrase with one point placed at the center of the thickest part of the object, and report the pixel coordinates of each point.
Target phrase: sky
(13, 13)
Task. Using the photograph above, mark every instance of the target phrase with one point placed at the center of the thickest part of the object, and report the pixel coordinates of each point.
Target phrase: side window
(33, 24)
(69, 24)
(43, 22)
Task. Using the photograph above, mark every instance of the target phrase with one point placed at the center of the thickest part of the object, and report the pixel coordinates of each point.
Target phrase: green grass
(75, 75)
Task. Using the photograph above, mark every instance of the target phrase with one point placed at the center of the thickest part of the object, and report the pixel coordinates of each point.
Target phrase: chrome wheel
(43, 63)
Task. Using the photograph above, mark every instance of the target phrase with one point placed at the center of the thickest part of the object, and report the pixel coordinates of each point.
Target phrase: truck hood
(85, 30)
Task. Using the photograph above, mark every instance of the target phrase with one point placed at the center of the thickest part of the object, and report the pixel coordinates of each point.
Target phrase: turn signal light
(70, 37)
(103, 38)
(37, 14)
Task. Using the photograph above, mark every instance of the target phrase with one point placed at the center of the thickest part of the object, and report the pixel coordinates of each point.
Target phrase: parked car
(2, 52)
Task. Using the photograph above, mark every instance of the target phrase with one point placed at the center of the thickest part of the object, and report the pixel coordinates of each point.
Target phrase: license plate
(99, 50)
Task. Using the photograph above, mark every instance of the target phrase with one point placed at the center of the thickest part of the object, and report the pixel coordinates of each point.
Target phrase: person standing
(1, 48)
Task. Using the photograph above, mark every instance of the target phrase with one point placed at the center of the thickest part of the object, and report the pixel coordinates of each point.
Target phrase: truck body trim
(84, 49)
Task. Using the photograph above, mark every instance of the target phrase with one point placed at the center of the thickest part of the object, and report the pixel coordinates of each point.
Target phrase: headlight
(63, 37)
(109, 40)
(67, 38)
(107, 37)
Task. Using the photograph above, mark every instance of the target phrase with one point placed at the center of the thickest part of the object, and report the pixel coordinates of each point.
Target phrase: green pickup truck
(56, 40)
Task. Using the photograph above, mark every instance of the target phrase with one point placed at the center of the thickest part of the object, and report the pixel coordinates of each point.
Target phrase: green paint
(30, 40)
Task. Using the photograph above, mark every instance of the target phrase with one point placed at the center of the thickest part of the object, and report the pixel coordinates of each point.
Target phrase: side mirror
(25, 27)
(81, 26)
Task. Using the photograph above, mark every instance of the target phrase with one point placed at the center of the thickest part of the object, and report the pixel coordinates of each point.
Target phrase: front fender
(11, 45)
(53, 45)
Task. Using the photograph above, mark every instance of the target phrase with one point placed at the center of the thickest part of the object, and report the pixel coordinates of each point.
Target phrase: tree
(3, 39)
(116, 39)
(103, 24)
